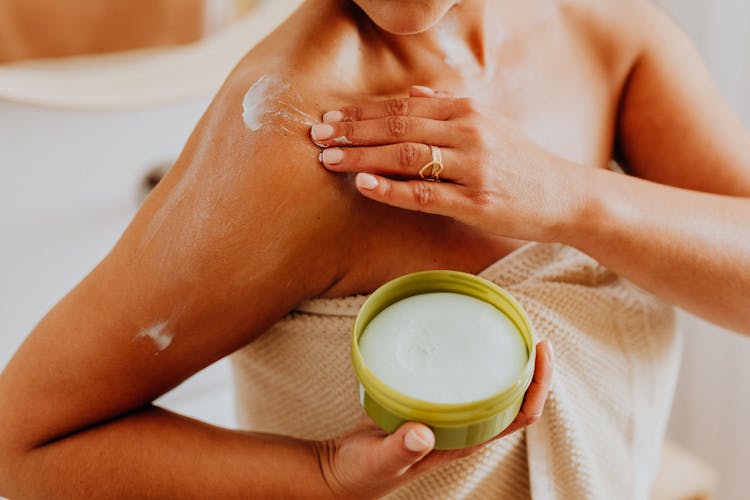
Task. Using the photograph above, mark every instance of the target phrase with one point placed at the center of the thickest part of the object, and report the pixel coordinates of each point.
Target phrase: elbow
(9, 460)
(12, 458)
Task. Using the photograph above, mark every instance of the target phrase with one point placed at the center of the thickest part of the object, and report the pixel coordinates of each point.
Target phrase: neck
(460, 42)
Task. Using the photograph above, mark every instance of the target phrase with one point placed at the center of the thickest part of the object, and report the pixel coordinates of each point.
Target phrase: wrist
(327, 484)
(587, 199)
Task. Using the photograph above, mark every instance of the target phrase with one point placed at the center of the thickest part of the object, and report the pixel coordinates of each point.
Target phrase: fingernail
(366, 181)
(332, 156)
(426, 90)
(333, 116)
(416, 442)
(321, 132)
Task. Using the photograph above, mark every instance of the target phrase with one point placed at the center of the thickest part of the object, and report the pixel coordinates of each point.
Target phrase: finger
(440, 457)
(422, 91)
(536, 395)
(390, 130)
(403, 159)
(365, 423)
(440, 198)
(416, 105)
(400, 450)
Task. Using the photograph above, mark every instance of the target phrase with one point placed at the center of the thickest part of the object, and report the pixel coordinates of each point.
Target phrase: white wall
(712, 405)
(70, 183)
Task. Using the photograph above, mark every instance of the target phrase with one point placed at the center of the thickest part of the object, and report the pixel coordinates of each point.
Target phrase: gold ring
(435, 166)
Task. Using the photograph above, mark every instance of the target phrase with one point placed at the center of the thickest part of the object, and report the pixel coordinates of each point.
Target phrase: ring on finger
(435, 166)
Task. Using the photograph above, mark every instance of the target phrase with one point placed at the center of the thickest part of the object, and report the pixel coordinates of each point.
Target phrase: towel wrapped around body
(617, 359)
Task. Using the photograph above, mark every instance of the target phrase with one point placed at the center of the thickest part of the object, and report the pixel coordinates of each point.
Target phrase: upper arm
(674, 126)
(243, 228)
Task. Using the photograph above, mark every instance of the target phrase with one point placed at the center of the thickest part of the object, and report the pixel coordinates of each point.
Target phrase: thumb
(405, 447)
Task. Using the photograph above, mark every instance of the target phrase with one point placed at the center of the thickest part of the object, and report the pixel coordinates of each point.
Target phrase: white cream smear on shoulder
(444, 348)
(272, 97)
(158, 334)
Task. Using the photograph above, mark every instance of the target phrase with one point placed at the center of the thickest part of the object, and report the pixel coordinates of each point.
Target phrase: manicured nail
(321, 132)
(333, 117)
(422, 88)
(416, 442)
(366, 181)
(332, 156)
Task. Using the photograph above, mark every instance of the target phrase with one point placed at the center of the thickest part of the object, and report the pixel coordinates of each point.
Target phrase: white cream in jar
(444, 347)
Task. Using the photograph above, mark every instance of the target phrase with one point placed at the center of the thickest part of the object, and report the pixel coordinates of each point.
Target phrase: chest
(556, 91)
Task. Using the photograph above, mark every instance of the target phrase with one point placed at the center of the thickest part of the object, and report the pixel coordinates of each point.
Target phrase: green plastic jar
(457, 425)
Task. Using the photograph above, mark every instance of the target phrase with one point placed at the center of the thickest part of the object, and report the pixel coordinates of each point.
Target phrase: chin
(405, 17)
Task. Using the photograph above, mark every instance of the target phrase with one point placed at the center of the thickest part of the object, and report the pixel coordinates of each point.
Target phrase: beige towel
(617, 357)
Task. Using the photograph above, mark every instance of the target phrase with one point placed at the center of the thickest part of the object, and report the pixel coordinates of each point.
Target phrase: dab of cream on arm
(158, 334)
(444, 348)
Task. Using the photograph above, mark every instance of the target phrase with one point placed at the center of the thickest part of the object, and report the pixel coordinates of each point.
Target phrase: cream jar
(448, 349)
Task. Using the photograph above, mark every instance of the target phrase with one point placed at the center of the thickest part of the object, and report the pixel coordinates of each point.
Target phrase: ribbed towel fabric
(617, 359)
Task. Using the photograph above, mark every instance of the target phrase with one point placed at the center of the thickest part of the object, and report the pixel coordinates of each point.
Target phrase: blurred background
(84, 137)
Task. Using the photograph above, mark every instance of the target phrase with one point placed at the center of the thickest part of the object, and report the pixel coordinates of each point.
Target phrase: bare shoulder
(674, 125)
(247, 222)
(616, 31)
(617, 15)
(249, 184)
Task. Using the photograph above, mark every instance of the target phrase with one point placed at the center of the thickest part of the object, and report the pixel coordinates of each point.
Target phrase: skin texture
(679, 231)
(247, 225)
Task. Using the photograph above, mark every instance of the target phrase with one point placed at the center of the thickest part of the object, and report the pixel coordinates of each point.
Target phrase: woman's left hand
(494, 178)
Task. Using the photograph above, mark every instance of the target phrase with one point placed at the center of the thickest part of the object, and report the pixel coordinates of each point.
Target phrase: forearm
(690, 248)
(156, 454)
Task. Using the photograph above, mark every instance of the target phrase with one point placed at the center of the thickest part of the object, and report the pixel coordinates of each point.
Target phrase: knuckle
(397, 126)
(355, 157)
(473, 133)
(481, 203)
(468, 105)
(352, 113)
(523, 419)
(408, 155)
(386, 190)
(482, 199)
(398, 107)
(422, 193)
(347, 129)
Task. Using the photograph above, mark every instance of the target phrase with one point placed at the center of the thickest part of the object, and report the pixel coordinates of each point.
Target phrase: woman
(247, 227)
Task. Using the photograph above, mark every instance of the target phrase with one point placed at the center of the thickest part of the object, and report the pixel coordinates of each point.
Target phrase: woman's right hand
(368, 463)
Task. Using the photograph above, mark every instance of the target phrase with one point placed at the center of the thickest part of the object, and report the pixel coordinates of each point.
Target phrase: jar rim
(424, 282)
